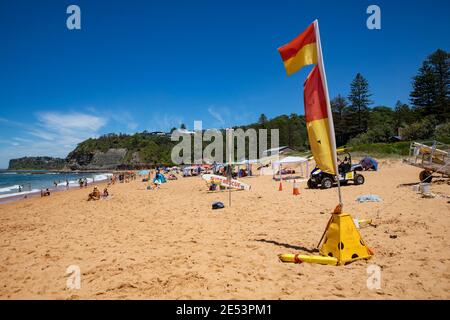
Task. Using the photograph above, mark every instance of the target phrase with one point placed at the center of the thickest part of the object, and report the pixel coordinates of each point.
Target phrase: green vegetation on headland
(37, 163)
(378, 131)
(139, 149)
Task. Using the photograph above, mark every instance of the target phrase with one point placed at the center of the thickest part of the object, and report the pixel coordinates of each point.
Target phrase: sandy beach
(170, 244)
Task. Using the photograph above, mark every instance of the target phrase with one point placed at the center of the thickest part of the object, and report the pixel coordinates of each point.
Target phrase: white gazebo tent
(279, 164)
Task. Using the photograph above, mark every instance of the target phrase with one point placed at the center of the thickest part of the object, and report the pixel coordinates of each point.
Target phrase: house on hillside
(158, 133)
(275, 151)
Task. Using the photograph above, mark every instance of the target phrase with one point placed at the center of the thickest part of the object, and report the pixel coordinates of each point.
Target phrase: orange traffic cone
(295, 190)
(280, 188)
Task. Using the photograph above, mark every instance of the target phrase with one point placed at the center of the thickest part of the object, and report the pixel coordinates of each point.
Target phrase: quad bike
(347, 172)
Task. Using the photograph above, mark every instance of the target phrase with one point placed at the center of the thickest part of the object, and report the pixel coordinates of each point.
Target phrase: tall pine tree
(262, 120)
(358, 111)
(431, 87)
(338, 108)
(403, 115)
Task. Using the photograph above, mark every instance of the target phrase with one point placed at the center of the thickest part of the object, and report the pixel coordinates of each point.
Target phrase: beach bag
(217, 205)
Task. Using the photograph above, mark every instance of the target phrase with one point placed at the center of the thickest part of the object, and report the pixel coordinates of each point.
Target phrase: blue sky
(151, 65)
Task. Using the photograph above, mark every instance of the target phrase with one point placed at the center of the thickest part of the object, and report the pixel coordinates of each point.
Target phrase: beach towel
(368, 198)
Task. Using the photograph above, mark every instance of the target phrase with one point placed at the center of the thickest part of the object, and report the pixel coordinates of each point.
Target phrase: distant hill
(121, 151)
(140, 150)
(36, 163)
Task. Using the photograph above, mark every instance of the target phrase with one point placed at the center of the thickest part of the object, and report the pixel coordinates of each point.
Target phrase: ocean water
(33, 181)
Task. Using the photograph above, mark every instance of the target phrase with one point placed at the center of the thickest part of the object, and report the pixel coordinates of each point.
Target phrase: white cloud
(42, 134)
(164, 122)
(70, 121)
(216, 115)
(54, 134)
(125, 118)
(67, 129)
(10, 122)
(22, 139)
(221, 115)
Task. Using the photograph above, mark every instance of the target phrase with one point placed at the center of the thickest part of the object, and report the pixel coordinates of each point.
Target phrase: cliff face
(114, 158)
(36, 163)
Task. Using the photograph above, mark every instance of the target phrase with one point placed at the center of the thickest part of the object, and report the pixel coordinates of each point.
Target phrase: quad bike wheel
(359, 179)
(326, 183)
(311, 184)
(425, 176)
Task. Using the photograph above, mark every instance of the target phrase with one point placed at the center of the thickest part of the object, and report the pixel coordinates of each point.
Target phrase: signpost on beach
(229, 154)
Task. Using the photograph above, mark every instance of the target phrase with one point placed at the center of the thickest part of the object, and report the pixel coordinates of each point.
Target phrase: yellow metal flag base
(343, 244)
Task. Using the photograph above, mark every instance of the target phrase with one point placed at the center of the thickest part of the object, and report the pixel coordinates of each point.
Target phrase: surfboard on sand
(223, 181)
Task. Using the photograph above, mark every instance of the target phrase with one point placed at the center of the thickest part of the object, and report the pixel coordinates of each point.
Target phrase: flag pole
(327, 98)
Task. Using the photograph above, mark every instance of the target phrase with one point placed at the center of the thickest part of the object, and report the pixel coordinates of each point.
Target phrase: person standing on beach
(56, 184)
(67, 184)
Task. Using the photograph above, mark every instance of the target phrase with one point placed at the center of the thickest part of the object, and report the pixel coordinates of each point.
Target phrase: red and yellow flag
(301, 51)
(317, 122)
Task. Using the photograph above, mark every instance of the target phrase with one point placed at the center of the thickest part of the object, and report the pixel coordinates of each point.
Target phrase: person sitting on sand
(95, 194)
(45, 193)
(172, 177)
(105, 193)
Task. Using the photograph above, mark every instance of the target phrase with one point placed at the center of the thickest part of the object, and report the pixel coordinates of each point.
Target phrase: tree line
(427, 116)
(356, 122)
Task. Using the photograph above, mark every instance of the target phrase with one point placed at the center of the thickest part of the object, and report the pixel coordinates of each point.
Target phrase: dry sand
(169, 244)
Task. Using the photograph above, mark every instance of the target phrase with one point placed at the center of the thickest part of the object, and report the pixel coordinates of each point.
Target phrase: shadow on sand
(289, 246)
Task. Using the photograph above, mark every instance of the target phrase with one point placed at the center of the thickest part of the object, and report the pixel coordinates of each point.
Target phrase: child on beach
(45, 193)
